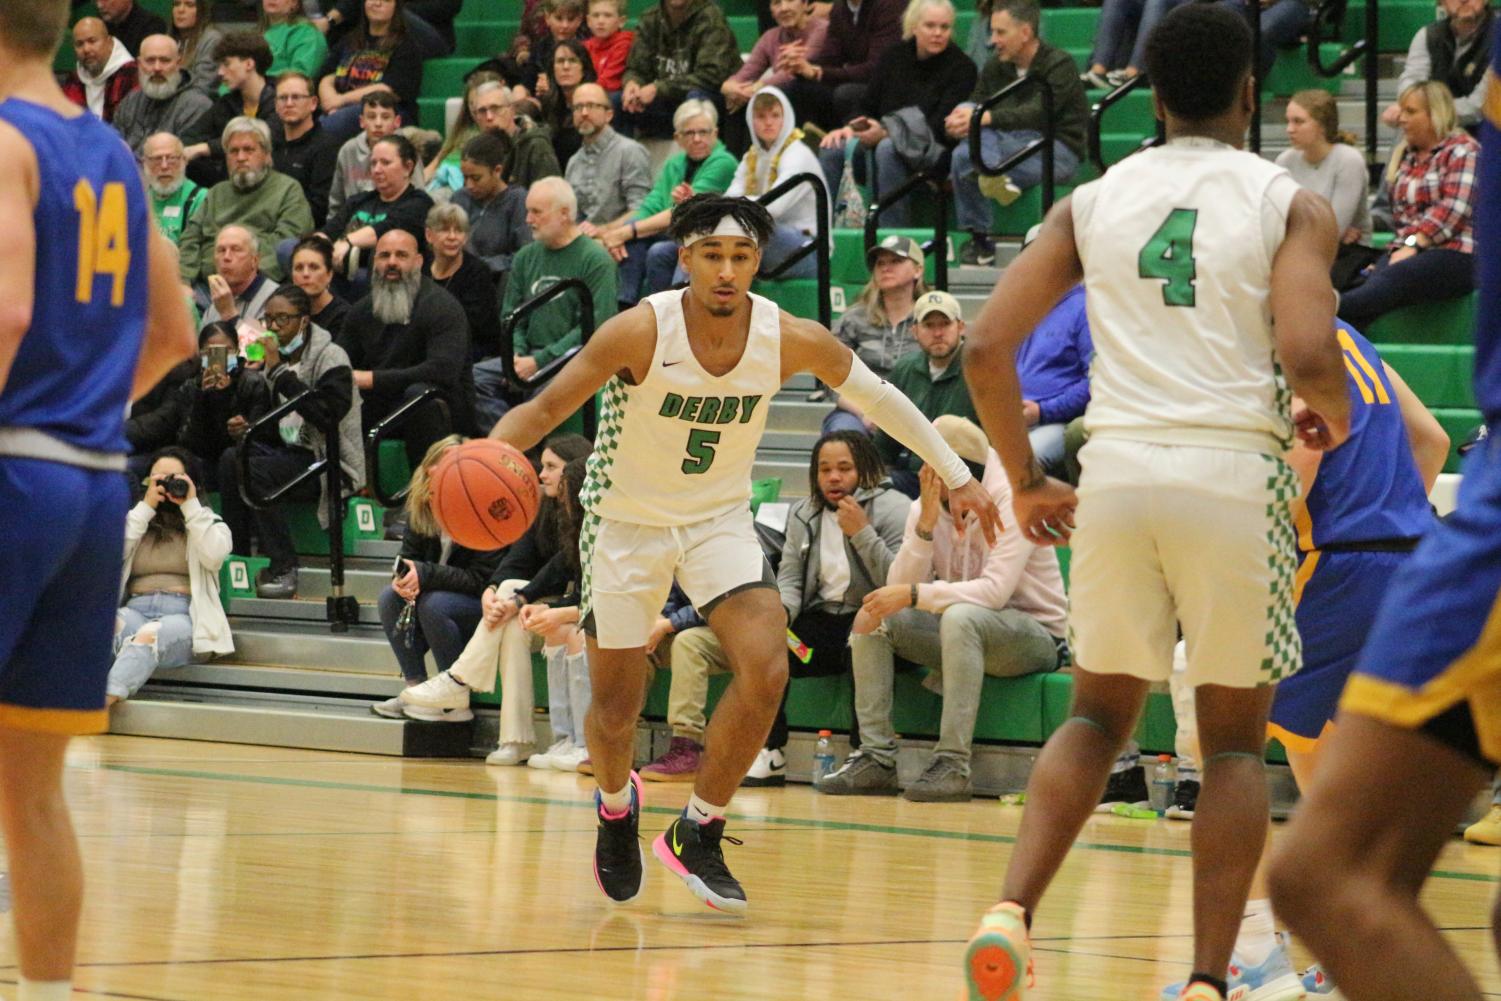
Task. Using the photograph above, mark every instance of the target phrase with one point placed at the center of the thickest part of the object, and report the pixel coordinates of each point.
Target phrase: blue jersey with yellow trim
(1488, 264)
(1369, 488)
(73, 372)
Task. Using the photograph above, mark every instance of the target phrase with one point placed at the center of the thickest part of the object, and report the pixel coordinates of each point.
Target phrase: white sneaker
(390, 709)
(509, 754)
(570, 759)
(544, 760)
(770, 769)
(441, 692)
(422, 714)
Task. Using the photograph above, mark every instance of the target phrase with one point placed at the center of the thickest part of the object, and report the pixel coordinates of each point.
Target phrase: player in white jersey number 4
(1208, 278)
(687, 379)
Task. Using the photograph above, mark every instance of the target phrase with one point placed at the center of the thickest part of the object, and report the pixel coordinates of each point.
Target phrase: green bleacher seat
(746, 31)
(1449, 322)
(444, 78)
(1070, 28)
(482, 39)
(798, 296)
(1292, 73)
(1024, 213)
(1440, 374)
(1399, 21)
(432, 113)
(1010, 708)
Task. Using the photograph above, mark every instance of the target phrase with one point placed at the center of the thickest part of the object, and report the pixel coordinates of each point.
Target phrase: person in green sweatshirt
(174, 198)
(558, 250)
(683, 49)
(296, 43)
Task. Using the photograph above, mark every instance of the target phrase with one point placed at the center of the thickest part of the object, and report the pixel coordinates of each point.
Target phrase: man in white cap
(687, 376)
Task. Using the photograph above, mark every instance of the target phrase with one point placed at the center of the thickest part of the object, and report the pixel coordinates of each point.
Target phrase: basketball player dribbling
(687, 381)
(1190, 253)
(91, 317)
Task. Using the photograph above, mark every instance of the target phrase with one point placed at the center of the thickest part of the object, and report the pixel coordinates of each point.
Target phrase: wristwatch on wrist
(1412, 241)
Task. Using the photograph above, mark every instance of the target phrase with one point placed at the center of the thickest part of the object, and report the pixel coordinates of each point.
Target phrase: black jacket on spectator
(525, 557)
(1462, 78)
(851, 49)
(437, 15)
(310, 161)
(156, 418)
(1070, 106)
(408, 211)
(556, 580)
(402, 70)
(433, 348)
(136, 26)
(937, 84)
(209, 410)
(332, 317)
(474, 287)
(466, 572)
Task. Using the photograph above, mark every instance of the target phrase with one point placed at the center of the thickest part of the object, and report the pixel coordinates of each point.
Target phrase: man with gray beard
(267, 203)
(406, 337)
(174, 198)
(166, 100)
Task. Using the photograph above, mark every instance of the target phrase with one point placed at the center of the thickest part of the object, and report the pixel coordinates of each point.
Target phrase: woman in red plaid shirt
(1432, 256)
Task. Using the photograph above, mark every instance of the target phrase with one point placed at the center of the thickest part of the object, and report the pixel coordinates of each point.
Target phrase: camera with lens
(173, 486)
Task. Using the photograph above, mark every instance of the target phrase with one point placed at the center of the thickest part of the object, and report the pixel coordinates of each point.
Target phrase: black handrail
(1331, 15)
(820, 245)
(940, 243)
(1097, 119)
(342, 609)
(544, 374)
(1255, 8)
(387, 428)
(1043, 145)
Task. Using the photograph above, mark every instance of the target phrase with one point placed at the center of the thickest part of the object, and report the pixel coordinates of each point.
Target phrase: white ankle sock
(616, 803)
(1258, 933)
(44, 990)
(701, 811)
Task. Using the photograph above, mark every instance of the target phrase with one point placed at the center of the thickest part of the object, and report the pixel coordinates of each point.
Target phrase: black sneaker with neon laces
(693, 854)
(1128, 787)
(619, 859)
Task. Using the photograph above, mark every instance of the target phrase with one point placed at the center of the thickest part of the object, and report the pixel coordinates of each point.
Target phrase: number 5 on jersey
(103, 240)
(1169, 257)
(700, 451)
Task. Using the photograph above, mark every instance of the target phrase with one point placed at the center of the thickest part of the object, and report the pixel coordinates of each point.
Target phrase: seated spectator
(131, 23)
(237, 290)
(463, 276)
(378, 119)
(433, 600)
(197, 38)
(558, 249)
(840, 541)
(442, 171)
(571, 67)
(610, 174)
(565, 23)
(299, 146)
(313, 272)
(406, 337)
(1053, 364)
(174, 198)
(503, 638)
(878, 327)
(1009, 128)
(932, 377)
(1454, 50)
(221, 401)
(1324, 160)
(105, 73)
(959, 607)
(495, 111)
(155, 420)
(919, 80)
(1432, 257)
(429, 22)
(378, 53)
(609, 44)
(1114, 36)
(296, 43)
(243, 59)
(684, 51)
(646, 254)
(1282, 25)
(797, 35)
(166, 100)
(299, 357)
(1115, 23)
(395, 202)
(978, 45)
(832, 80)
(170, 613)
(496, 210)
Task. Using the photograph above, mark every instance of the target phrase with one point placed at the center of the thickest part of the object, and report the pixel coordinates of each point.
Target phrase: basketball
(485, 494)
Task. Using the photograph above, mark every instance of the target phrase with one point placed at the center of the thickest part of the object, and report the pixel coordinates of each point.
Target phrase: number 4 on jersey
(1169, 257)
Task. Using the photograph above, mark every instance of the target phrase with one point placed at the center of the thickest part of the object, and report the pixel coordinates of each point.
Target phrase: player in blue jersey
(1419, 728)
(90, 317)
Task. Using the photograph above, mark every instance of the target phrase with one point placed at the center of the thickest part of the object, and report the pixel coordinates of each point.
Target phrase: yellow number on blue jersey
(103, 240)
(1366, 380)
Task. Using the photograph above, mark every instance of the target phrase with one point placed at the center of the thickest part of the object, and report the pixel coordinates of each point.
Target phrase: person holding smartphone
(223, 400)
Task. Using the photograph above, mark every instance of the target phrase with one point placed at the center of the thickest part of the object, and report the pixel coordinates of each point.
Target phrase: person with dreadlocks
(687, 376)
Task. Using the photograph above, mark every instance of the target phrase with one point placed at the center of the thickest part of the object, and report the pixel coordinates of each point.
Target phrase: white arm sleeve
(899, 417)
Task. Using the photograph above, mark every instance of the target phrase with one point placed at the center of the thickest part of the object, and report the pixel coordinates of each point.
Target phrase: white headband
(727, 227)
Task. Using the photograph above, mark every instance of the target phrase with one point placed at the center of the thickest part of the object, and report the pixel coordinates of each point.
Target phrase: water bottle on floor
(823, 755)
(1163, 783)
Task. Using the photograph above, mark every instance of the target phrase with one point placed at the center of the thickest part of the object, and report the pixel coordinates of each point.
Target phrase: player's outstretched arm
(808, 347)
(1303, 304)
(169, 326)
(622, 346)
(1426, 436)
(19, 190)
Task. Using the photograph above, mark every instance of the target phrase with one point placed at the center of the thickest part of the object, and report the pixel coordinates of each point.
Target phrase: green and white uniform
(668, 487)
(1183, 499)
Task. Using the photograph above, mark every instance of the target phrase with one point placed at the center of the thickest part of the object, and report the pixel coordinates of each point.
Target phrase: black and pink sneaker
(692, 852)
(619, 859)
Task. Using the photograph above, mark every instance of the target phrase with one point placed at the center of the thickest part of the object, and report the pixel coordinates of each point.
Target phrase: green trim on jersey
(606, 443)
(1284, 645)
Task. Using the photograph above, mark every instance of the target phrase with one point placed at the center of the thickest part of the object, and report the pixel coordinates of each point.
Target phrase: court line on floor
(806, 822)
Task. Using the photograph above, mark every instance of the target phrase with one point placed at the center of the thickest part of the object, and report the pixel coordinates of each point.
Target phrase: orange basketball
(485, 494)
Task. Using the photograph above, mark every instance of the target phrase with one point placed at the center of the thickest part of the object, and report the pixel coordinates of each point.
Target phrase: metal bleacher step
(365, 584)
(310, 644)
(301, 609)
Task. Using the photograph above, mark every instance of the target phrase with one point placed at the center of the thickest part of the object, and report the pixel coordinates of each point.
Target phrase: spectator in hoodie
(295, 42)
(609, 44)
(166, 100)
(105, 72)
(798, 33)
(129, 22)
(379, 118)
(684, 50)
(299, 146)
(832, 80)
(963, 609)
(197, 37)
(174, 198)
(243, 60)
(496, 210)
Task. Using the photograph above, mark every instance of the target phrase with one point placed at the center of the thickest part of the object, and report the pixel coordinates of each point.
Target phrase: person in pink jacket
(963, 610)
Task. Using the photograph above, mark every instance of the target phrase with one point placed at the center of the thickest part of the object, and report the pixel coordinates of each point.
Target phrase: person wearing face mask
(222, 400)
(300, 356)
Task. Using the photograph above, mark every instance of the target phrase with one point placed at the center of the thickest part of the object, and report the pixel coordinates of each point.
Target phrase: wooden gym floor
(261, 874)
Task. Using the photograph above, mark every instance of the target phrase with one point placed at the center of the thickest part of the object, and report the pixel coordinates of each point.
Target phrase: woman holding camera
(174, 546)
